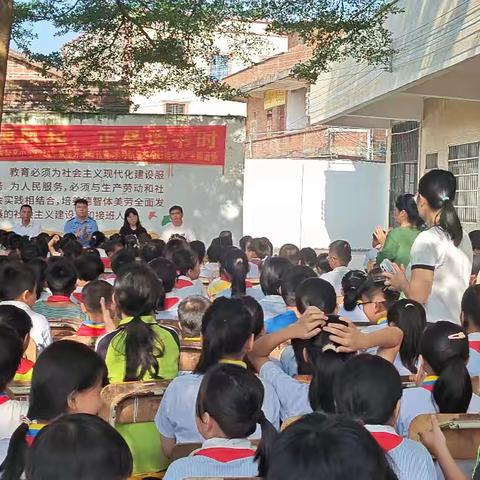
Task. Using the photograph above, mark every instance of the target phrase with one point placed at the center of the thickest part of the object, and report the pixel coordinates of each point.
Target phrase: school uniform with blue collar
(473, 365)
(419, 400)
(186, 287)
(219, 458)
(288, 362)
(272, 305)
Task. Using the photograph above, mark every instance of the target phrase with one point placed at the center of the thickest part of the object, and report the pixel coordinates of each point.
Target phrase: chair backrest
(303, 378)
(181, 450)
(407, 381)
(288, 421)
(462, 431)
(189, 355)
(88, 341)
(64, 327)
(19, 390)
(170, 323)
(476, 385)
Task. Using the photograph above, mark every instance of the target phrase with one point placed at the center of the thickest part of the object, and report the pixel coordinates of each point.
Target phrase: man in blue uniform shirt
(81, 225)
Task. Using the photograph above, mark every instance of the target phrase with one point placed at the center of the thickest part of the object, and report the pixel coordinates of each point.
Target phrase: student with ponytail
(227, 336)
(447, 387)
(441, 256)
(228, 410)
(471, 323)
(140, 349)
(352, 308)
(67, 378)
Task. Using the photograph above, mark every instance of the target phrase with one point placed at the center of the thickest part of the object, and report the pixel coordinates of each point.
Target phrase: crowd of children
(301, 359)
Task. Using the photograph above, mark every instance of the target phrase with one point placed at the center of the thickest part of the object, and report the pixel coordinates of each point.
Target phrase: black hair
(139, 292)
(214, 251)
(61, 448)
(172, 245)
(368, 388)
(445, 348)
(113, 244)
(39, 266)
(226, 327)
(226, 239)
(439, 187)
(165, 270)
(16, 278)
(261, 246)
(308, 257)
(273, 270)
(256, 312)
(61, 369)
(410, 317)
(80, 200)
(199, 248)
(292, 279)
(316, 292)
(475, 265)
(184, 260)
(245, 242)
(29, 251)
(475, 239)
(234, 262)
(14, 241)
(176, 207)
(89, 267)
(93, 292)
(97, 239)
(41, 244)
(26, 205)
(374, 285)
(11, 352)
(61, 276)
(342, 250)
(122, 259)
(91, 251)
(328, 447)
(406, 202)
(471, 307)
(322, 263)
(290, 252)
(152, 249)
(233, 397)
(16, 319)
(128, 211)
(72, 249)
(352, 283)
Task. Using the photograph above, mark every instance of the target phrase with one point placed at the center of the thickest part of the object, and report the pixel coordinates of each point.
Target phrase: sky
(46, 42)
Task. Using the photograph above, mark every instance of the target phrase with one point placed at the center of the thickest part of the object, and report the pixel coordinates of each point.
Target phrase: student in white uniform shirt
(359, 377)
(227, 335)
(471, 323)
(27, 227)
(177, 227)
(441, 256)
(339, 256)
(228, 410)
(350, 308)
(188, 270)
(447, 387)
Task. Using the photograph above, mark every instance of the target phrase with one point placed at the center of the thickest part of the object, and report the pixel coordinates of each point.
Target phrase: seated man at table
(81, 225)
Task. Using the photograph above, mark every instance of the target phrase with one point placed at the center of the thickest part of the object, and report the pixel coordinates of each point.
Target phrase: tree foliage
(149, 45)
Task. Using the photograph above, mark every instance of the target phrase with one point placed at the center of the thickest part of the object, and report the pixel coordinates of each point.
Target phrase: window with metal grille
(463, 163)
(431, 161)
(219, 67)
(175, 108)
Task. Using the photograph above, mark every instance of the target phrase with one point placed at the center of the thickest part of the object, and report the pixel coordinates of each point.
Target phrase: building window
(431, 161)
(219, 67)
(463, 163)
(175, 108)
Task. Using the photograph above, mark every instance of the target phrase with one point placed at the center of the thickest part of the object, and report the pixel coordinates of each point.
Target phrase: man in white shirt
(26, 226)
(177, 227)
(339, 256)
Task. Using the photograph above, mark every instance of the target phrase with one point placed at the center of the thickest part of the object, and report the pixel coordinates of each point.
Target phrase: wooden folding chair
(303, 378)
(63, 328)
(461, 430)
(407, 381)
(288, 421)
(88, 341)
(476, 385)
(189, 355)
(19, 390)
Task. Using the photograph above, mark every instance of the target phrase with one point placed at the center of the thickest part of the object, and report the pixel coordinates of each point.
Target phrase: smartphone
(388, 266)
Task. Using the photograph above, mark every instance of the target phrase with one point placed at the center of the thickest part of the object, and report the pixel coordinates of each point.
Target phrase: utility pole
(6, 18)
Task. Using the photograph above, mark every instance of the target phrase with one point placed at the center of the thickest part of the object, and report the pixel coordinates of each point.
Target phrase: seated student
(351, 285)
(308, 257)
(61, 448)
(211, 268)
(151, 250)
(288, 284)
(244, 242)
(175, 243)
(291, 253)
(257, 251)
(165, 270)
(228, 410)
(188, 270)
(322, 266)
(11, 351)
(339, 256)
(318, 446)
(357, 379)
(447, 388)
(255, 310)
(199, 248)
(139, 349)
(71, 249)
(18, 288)
(19, 321)
(470, 317)
(89, 268)
(93, 293)
(234, 269)
(227, 335)
(190, 314)
(475, 269)
(113, 245)
(273, 270)
(39, 266)
(67, 378)
(61, 280)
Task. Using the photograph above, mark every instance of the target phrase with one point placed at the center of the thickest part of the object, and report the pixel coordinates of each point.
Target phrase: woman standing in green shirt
(398, 243)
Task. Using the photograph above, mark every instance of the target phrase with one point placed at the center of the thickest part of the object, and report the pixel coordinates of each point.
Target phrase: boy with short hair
(190, 314)
(339, 256)
(89, 267)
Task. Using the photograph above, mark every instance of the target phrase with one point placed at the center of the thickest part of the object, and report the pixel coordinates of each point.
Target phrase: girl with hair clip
(233, 271)
(227, 335)
(188, 270)
(139, 349)
(67, 378)
(396, 245)
(80, 447)
(447, 387)
(351, 285)
(228, 410)
(327, 447)
(358, 378)
(273, 270)
(441, 256)
(470, 317)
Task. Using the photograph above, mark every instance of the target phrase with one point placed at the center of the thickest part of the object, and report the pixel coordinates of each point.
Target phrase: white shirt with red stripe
(473, 365)
(218, 457)
(186, 287)
(10, 413)
(409, 459)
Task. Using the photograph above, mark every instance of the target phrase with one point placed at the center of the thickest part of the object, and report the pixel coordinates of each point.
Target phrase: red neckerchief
(183, 282)
(25, 366)
(387, 441)
(4, 398)
(170, 302)
(78, 296)
(87, 331)
(474, 345)
(107, 263)
(225, 454)
(58, 298)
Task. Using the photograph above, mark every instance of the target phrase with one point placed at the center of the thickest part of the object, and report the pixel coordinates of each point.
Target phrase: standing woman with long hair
(441, 256)
(398, 242)
(131, 223)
